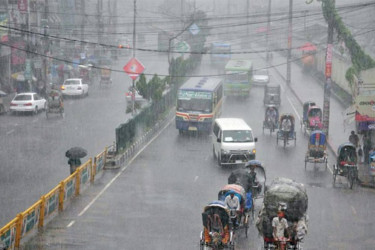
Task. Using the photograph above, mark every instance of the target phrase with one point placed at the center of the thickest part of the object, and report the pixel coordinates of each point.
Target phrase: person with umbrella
(75, 154)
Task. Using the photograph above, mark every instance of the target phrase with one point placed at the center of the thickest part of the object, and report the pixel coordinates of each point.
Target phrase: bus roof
(232, 124)
(201, 83)
(234, 65)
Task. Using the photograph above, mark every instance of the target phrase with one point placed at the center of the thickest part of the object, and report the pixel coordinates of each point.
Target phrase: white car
(28, 102)
(74, 87)
(137, 98)
(261, 76)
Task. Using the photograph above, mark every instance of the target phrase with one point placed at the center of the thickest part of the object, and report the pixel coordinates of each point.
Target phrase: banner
(4, 23)
(365, 108)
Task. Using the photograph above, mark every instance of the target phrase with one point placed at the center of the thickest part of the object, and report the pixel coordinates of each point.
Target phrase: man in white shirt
(232, 202)
(279, 225)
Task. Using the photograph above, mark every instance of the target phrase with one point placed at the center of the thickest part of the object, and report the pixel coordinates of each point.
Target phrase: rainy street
(175, 176)
(156, 198)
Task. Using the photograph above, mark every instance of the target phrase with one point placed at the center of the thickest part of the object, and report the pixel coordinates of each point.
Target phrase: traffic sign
(134, 68)
(182, 47)
(194, 29)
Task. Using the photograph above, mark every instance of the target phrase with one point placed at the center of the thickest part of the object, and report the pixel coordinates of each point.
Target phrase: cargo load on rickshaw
(217, 233)
(290, 197)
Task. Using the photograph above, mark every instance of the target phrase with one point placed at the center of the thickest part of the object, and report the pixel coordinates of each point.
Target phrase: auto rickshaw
(105, 76)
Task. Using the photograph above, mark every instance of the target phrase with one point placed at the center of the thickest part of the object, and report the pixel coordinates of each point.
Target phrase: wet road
(32, 148)
(156, 201)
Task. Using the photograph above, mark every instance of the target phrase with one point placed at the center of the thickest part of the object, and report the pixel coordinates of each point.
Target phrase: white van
(233, 141)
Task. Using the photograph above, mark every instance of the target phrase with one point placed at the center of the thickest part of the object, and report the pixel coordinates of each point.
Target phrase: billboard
(365, 108)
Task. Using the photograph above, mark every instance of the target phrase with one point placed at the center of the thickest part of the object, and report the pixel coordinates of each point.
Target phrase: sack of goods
(294, 196)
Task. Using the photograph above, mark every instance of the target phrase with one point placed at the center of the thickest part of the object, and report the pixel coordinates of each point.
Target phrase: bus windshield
(232, 76)
(237, 136)
(194, 101)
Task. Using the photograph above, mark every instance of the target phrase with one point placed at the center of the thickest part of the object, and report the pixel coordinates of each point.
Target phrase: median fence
(27, 223)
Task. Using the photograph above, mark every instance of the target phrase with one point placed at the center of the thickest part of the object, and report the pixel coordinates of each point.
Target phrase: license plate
(238, 161)
(193, 129)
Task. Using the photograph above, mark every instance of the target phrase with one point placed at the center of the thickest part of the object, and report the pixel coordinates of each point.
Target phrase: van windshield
(237, 136)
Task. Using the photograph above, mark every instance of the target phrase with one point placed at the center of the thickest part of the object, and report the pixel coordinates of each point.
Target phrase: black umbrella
(76, 152)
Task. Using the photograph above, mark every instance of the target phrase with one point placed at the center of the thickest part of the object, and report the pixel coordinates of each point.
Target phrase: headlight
(254, 151)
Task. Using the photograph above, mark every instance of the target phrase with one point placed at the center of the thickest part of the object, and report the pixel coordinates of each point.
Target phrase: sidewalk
(303, 87)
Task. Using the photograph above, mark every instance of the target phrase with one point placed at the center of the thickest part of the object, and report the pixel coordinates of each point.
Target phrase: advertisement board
(365, 108)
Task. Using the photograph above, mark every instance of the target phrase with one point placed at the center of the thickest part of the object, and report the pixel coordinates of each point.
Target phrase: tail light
(28, 104)
(13, 104)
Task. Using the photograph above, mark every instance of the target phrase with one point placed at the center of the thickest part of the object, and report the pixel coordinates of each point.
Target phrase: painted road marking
(70, 224)
(10, 131)
(353, 210)
(123, 169)
(196, 178)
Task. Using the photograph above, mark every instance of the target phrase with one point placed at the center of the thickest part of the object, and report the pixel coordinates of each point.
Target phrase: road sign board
(194, 29)
(182, 47)
(134, 68)
(27, 72)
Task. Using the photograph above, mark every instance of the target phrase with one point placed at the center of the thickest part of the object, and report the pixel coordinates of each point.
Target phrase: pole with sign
(328, 73)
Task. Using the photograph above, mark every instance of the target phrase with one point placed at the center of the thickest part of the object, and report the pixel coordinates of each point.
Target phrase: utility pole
(100, 23)
(328, 69)
(268, 30)
(46, 44)
(134, 33)
(290, 30)
(83, 18)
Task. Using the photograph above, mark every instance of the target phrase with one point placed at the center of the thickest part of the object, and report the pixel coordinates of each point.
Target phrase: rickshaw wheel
(351, 177)
(326, 162)
(334, 174)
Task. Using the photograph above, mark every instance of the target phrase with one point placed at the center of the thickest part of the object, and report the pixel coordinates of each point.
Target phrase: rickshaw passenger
(232, 202)
(286, 127)
(271, 114)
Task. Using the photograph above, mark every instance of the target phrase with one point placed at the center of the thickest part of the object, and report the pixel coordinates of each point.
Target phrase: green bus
(238, 77)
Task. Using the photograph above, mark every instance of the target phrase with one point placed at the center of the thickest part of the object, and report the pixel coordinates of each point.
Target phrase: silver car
(261, 76)
(75, 87)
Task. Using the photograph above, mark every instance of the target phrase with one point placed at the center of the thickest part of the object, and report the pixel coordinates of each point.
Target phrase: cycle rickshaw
(286, 130)
(316, 149)
(272, 95)
(312, 117)
(105, 76)
(271, 119)
(346, 163)
(238, 219)
(217, 233)
(252, 178)
(55, 104)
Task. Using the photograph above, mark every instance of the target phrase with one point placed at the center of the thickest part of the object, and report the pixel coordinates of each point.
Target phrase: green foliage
(142, 86)
(361, 61)
(152, 90)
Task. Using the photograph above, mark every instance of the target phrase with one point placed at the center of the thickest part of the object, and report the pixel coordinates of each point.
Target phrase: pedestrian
(354, 139)
(360, 154)
(366, 147)
(74, 164)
